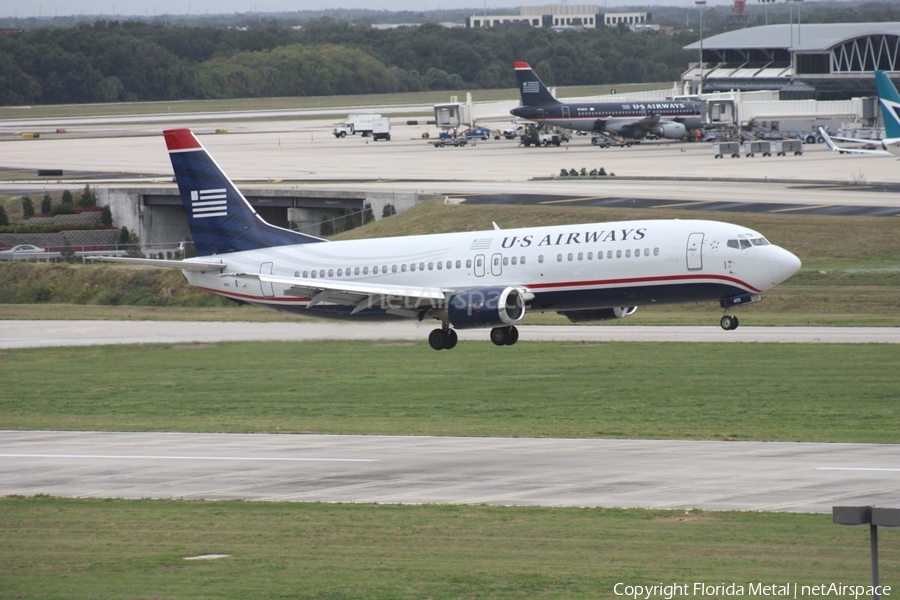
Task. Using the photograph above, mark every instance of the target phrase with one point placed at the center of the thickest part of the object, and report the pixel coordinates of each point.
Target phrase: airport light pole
(766, 3)
(700, 4)
(872, 516)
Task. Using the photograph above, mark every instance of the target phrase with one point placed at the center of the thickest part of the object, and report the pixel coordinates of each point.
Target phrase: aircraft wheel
(512, 336)
(452, 339)
(437, 339)
(729, 323)
(499, 335)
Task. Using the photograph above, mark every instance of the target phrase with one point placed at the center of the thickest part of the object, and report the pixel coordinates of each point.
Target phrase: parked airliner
(665, 119)
(889, 100)
(482, 279)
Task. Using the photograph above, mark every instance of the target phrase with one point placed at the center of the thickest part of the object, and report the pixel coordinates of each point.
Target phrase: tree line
(113, 61)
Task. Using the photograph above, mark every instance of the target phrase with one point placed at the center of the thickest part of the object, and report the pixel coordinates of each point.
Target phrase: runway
(764, 476)
(37, 334)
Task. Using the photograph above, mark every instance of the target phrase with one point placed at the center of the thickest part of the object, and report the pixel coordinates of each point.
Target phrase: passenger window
(590, 255)
(580, 256)
(403, 268)
(646, 251)
(514, 260)
(569, 257)
(656, 252)
(331, 272)
(618, 254)
(412, 267)
(440, 266)
(422, 266)
(540, 258)
(522, 261)
(365, 270)
(468, 263)
(505, 261)
(459, 264)
(393, 268)
(356, 271)
(430, 266)
(449, 264)
(340, 272)
(313, 274)
(628, 253)
(609, 254)
(559, 258)
(322, 273)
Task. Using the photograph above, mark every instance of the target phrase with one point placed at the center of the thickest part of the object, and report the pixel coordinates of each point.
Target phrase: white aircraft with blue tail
(889, 100)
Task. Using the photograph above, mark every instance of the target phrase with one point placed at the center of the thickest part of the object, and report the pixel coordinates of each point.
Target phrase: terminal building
(550, 15)
(815, 61)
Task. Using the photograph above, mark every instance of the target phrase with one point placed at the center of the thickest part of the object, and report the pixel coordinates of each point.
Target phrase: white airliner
(889, 100)
(482, 279)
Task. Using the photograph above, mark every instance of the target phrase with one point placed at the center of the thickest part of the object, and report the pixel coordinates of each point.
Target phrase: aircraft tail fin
(532, 90)
(889, 100)
(220, 218)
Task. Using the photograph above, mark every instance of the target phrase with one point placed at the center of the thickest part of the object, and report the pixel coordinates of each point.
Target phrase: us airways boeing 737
(670, 120)
(483, 279)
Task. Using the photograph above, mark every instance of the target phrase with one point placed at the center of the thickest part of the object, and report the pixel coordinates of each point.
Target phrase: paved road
(36, 334)
(786, 477)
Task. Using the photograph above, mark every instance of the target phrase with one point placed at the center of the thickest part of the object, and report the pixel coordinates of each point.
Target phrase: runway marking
(690, 203)
(574, 200)
(857, 469)
(810, 207)
(152, 457)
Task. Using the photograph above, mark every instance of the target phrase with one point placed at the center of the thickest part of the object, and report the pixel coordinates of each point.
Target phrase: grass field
(80, 549)
(787, 392)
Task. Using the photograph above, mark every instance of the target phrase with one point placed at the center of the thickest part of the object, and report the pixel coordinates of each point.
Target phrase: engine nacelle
(495, 306)
(599, 314)
(671, 131)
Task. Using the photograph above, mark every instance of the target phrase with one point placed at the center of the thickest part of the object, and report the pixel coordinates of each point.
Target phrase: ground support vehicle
(722, 149)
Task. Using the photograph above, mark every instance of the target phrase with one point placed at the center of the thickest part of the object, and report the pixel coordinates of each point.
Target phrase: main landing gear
(729, 322)
(446, 338)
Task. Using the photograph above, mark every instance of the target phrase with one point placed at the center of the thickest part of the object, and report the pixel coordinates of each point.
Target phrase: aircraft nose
(782, 264)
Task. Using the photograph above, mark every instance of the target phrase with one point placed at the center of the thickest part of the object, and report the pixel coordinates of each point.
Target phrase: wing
(397, 299)
(829, 141)
(184, 265)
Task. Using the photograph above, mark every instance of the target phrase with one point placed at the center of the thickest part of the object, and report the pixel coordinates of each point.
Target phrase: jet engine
(599, 314)
(494, 306)
(671, 131)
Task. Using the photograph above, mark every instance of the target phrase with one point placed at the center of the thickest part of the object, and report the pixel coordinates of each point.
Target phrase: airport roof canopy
(809, 37)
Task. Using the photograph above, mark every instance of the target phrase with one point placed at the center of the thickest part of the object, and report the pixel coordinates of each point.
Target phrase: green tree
(27, 208)
(68, 199)
(4, 218)
(388, 211)
(326, 229)
(368, 215)
(88, 198)
(106, 217)
(46, 205)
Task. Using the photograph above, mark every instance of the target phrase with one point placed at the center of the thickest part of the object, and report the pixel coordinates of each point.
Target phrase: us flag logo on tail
(209, 203)
(531, 87)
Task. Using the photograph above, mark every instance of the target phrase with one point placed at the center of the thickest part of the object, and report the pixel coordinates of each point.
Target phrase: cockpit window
(744, 243)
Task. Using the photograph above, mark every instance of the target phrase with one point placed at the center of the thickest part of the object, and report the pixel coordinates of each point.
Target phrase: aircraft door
(267, 289)
(695, 252)
(496, 265)
(565, 112)
(479, 265)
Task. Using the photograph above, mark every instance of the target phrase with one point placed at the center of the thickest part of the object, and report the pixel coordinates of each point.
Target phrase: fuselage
(566, 268)
(627, 118)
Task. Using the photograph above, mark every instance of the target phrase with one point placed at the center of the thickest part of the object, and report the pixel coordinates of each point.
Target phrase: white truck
(381, 129)
(353, 124)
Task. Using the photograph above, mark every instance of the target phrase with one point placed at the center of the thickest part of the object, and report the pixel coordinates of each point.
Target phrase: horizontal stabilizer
(184, 265)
